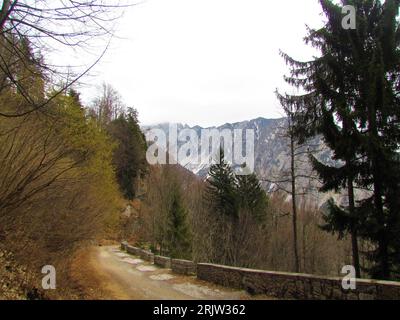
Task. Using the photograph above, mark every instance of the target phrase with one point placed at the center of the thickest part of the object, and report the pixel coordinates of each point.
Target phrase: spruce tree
(351, 99)
(252, 197)
(222, 189)
(130, 154)
(229, 196)
(178, 233)
(228, 192)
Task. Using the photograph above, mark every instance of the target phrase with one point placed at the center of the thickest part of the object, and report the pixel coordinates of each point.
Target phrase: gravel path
(130, 278)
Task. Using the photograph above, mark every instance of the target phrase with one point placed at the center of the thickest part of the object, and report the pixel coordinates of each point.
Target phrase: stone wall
(163, 262)
(274, 284)
(184, 267)
(124, 246)
(146, 256)
(296, 286)
(143, 254)
(132, 250)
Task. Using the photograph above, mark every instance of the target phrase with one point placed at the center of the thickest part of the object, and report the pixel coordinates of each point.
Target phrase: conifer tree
(228, 192)
(178, 233)
(221, 189)
(233, 197)
(130, 154)
(351, 98)
(252, 197)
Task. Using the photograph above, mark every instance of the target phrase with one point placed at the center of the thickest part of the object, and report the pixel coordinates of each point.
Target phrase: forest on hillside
(348, 95)
(69, 169)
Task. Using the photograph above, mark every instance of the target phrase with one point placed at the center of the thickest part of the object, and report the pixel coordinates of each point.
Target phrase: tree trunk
(384, 273)
(294, 205)
(354, 231)
(377, 171)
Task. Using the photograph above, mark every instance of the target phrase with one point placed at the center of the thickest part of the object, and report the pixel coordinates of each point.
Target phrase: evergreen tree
(222, 188)
(130, 154)
(228, 192)
(178, 233)
(252, 197)
(351, 98)
(234, 199)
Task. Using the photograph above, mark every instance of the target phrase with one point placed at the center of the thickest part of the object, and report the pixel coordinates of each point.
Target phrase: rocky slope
(272, 155)
(16, 280)
(271, 146)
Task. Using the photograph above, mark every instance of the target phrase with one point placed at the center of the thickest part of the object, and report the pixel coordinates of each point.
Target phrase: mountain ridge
(271, 156)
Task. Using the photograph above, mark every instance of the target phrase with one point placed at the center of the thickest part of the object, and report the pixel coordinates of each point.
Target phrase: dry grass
(88, 281)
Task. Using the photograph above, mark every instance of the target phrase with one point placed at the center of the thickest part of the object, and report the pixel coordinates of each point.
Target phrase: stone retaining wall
(124, 246)
(184, 267)
(163, 262)
(146, 256)
(132, 250)
(296, 286)
(274, 284)
(143, 254)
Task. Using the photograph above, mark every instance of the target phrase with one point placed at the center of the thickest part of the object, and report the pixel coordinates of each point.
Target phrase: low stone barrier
(146, 255)
(163, 262)
(184, 267)
(296, 286)
(143, 254)
(275, 284)
(132, 250)
(124, 245)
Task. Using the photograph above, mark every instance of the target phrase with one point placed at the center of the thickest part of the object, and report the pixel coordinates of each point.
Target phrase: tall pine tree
(233, 197)
(222, 188)
(252, 197)
(178, 234)
(351, 98)
(130, 155)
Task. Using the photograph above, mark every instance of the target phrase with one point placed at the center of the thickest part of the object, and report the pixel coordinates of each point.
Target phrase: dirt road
(130, 278)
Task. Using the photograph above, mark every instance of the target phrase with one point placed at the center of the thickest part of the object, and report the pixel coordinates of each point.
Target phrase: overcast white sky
(205, 62)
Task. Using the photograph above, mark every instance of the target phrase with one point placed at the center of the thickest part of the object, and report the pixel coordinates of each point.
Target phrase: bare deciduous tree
(45, 26)
(288, 179)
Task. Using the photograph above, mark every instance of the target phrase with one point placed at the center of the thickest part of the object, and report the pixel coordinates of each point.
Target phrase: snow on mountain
(271, 155)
